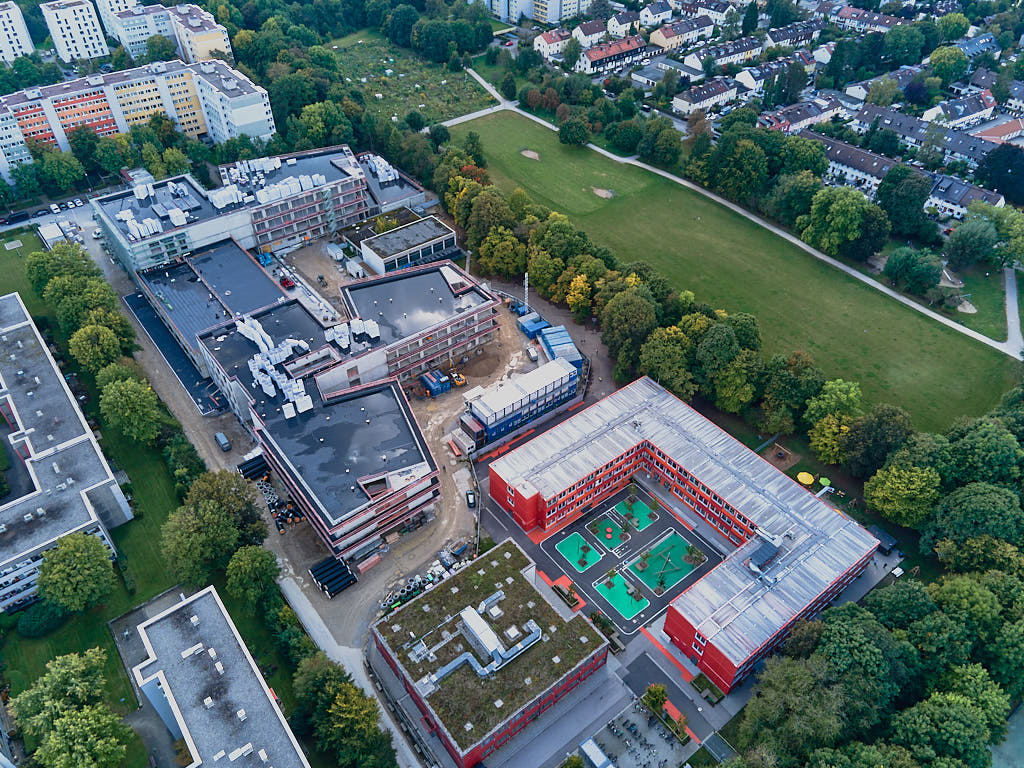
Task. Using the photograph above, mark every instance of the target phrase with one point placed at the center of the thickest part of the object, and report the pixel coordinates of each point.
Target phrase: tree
(571, 53)
(900, 604)
(655, 697)
(795, 710)
(574, 131)
(980, 553)
(743, 174)
(971, 242)
(76, 574)
(578, 298)
(61, 170)
(197, 540)
(94, 346)
(627, 320)
(488, 210)
(948, 63)
(883, 92)
(791, 197)
(1005, 654)
(501, 253)
(952, 26)
(64, 259)
(234, 494)
(976, 509)
(160, 48)
(70, 682)
(83, 142)
(1002, 169)
(917, 271)
(91, 737)
(825, 435)
(873, 437)
(984, 450)
(252, 574)
(903, 45)
(902, 194)
(973, 682)
(400, 24)
(749, 23)
(175, 161)
(132, 408)
(439, 134)
(665, 357)
(108, 155)
(116, 371)
(352, 733)
(973, 604)
(736, 385)
(837, 397)
(843, 222)
(508, 86)
(944, 725)
(904, 494)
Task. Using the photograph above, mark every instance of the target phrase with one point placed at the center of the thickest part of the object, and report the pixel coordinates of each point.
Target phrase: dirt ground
(787, 459)
(312, 262)
(529, 153)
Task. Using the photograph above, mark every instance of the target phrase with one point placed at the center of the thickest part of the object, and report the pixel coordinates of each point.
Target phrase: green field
(850, 329)
(665, 563)
(571, 548)
(641, 514)
(415, 84)
(618, 536)
(620, 598)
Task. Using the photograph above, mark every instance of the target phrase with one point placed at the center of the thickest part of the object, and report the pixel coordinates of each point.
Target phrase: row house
(608, 56)
(857, 19)
(655, 13)
(590, 33)
(797, 33)
(956, 145)
(682, 32)
(714, 9)
(984, 80)
(551, 43)
(796, 117)
(713, 93)
(963, 112)
(732, 52)
(625, 23)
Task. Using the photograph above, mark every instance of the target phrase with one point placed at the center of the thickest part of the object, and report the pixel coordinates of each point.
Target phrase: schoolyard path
(1013, 346)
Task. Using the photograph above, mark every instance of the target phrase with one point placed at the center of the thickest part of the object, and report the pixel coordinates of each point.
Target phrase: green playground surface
(641, 512)
(666, 561)
(602, 533)
(571, 548)
(618, 595)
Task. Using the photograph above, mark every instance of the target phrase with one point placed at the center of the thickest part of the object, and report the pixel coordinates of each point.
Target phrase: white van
(531, 352)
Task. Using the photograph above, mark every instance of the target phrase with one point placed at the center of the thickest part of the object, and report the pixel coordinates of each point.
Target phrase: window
(699, 638)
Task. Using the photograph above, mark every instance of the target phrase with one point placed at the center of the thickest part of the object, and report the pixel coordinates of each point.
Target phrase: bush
(40, 619)
(291, 639)
(183, 462)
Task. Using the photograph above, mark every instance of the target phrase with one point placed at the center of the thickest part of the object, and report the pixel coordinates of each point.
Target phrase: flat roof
(195, 18)
(406, 302)
(400, 189)
(731, 606)
(180, 192)
(504, 394)
(336, 163)
(359, 435)
(52, 435)
(227, 711)
(411, 235)
(204, 290)
(463, 698)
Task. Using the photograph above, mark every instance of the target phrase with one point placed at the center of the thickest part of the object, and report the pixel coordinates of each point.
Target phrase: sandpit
(967, 308)
(529, 153)
(607, 194)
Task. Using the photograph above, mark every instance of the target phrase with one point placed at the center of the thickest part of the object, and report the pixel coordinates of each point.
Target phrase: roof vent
(3, 528)
(208, 702)
(194, 620)
(219, 667)
(241, 715)
(28, 518)
(213, 654)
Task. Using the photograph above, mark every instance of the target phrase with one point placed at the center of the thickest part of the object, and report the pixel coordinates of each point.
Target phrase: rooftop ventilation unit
(208, 702)
(194, 620)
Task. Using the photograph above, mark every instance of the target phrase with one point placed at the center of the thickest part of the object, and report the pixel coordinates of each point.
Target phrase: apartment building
(60, 481)
(607, 56)
(723, 54)
(552, 42)
(135, 26)
(208, 99)
(547, 11)
(208, 690)
(108, 9)
(75, 30)
(197, 33)
(14, 37)
(682, 32)
(791, 552)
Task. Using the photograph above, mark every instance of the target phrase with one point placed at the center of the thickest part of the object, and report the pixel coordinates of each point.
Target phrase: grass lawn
(571, 549)
(12, 268)
(989, 296)
(666, 562)
(415, 84)
(850, 329)
(618, 595)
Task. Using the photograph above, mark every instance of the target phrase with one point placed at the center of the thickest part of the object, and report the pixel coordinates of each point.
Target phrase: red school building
(794, 553)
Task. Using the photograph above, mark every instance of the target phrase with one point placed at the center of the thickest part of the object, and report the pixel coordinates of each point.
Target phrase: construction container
(525, 320)
(436, 382)
(557, 342)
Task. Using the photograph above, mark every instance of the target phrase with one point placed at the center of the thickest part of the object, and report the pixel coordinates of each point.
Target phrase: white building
(625, 23)
(608, 56)
(590, 33)
(714, 9)
(964, 112)
(655, 13)
(732, 52)
(110, 8)
(75, 30)
(194, 31)
(705, 96)
(552, 42)
(14, 37)
(682, 32)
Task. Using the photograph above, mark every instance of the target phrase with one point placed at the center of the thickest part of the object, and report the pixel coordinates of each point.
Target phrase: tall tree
(234, 494)
(1003, 170)
(131, 407)
(252, 574)
(91, 737)
(76, 574)
(199, 540)
(873, 437)
(70, 682)
(902, 194)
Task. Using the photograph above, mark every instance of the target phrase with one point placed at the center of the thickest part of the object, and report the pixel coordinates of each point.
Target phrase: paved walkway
(351, 659)
(1012, 346)
(1014, 336)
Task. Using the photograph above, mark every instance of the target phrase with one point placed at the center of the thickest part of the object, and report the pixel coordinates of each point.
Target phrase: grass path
(849, 328)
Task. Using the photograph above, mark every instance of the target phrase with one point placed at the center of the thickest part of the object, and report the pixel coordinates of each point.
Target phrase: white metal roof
(732, 606)
(504, 394)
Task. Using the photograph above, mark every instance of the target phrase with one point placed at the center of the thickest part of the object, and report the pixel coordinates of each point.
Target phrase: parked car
(531, 352)
(40, 212)
(471, 498)
(54, 208)
(78, 202)
(222, 441)
(287, 283)
(97, 233)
